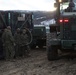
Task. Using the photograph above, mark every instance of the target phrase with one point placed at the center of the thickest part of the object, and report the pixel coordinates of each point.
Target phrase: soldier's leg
(17, 51)
(6, 53)
(27, 50)
(24, 50)
(12, 52)
(21, 51)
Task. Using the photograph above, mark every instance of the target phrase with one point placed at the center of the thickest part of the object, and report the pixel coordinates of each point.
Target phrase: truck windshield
(65, 7)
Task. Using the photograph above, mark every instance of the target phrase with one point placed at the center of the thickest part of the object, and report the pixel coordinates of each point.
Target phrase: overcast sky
(46, 5)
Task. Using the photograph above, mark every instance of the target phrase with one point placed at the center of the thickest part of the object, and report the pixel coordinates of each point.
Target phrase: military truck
(39, 36)
(15, 19)
(62, 35)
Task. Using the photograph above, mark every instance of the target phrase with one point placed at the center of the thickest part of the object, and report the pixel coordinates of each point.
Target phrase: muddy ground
(38, 64)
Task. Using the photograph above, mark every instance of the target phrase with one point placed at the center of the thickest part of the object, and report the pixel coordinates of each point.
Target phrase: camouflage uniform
(24, 40)
(8, 43)
(17, 38)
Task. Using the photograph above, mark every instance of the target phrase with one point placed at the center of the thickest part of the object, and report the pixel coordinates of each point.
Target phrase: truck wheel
(52, 53)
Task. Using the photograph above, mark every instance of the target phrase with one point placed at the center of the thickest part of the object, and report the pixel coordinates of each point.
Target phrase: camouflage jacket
(7, 37)
(24, 39)
(17, 38)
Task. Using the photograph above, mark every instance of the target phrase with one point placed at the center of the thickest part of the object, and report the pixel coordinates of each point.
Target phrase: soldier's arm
(3, 37)
(15, 37)
(21, 38)
(11, 38)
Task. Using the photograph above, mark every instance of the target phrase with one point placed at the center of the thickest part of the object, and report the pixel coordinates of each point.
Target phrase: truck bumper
(55, 42)
(68, 44)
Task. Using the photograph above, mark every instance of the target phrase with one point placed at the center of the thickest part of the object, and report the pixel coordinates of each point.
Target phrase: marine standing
(8, 43)
(24, 43)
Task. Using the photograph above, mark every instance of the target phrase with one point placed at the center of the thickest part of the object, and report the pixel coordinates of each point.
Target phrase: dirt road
(38, 64)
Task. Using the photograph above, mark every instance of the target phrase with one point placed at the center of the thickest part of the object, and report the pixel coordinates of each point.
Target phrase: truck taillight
(64, 20)
(61, 20)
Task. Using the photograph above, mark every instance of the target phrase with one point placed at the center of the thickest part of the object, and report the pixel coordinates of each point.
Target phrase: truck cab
(65, 40)
(39, 36)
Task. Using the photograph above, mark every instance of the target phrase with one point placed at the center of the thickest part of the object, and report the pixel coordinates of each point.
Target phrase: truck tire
(52, 53)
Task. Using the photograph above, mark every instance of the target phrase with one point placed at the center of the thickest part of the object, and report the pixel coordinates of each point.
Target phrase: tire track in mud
(38, 64)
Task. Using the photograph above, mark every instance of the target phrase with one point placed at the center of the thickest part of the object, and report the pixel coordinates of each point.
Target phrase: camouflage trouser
(17, 50)
(25, 50)
(9, 51)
